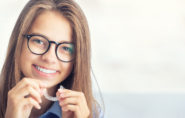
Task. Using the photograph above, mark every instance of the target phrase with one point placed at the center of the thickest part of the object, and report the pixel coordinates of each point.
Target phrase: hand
(73, 101)
(23, 97)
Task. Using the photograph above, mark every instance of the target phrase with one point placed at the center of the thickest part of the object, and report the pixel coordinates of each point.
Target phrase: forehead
(53, 25)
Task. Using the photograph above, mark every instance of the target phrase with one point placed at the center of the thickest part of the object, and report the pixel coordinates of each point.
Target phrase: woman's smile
(44, 72)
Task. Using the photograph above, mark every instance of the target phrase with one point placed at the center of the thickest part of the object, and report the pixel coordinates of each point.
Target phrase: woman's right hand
(23, 97)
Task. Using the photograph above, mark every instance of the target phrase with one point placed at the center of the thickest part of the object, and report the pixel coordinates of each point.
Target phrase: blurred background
(138, 53)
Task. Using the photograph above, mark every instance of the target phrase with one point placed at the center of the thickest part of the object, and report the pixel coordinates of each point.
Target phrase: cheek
(25, 59)
(66, 68)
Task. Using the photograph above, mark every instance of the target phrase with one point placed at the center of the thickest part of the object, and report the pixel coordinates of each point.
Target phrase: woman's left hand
(73, 101)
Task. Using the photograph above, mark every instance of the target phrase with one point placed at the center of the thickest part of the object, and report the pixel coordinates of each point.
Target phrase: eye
(67, 49)
(38, 41)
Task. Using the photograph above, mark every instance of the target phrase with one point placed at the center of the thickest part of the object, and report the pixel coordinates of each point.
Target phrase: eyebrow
(39, 34)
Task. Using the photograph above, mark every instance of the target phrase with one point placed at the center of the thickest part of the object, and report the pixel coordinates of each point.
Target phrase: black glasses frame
(28, 36)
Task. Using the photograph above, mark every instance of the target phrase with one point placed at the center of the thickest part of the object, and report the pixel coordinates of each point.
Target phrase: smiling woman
(49, 47)
(41, 56)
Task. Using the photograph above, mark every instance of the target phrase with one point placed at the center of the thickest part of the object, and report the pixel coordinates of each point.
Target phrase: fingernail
(39, 107)
(61, 104)
(60, 90)
(62, 95)
(40, 101)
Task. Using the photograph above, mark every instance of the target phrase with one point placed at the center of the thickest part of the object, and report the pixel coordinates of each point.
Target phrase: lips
(44, 70)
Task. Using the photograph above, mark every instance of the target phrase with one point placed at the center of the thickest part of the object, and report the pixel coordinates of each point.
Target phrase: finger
(29, 91)
(79, 96)
(57, 94)
(64, 93)
(37, 84)
(31, 101)
(66, 101)
(27, 82)
(73, 108)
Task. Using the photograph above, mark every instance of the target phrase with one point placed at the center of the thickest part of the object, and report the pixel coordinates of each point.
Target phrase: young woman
(49, 47)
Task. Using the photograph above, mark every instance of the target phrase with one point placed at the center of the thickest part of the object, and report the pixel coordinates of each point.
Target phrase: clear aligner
(48, 97)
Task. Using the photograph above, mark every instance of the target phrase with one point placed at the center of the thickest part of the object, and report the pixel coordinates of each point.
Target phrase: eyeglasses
(39, 45)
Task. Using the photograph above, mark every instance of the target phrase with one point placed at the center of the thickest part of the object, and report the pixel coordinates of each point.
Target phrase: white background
(138, 53)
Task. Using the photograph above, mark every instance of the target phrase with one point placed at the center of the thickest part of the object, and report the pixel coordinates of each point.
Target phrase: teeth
(45, 70)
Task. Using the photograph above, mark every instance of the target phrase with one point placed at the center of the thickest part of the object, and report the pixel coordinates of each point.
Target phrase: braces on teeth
(48, 97)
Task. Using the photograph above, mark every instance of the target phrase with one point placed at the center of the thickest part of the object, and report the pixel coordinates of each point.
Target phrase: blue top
(55, 112)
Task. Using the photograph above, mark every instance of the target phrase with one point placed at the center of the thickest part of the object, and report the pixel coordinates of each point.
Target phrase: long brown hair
(79, 79)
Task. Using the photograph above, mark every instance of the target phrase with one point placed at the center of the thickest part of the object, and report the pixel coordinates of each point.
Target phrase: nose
(50, 56)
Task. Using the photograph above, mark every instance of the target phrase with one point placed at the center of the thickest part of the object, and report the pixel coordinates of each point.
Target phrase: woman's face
(47, 67)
